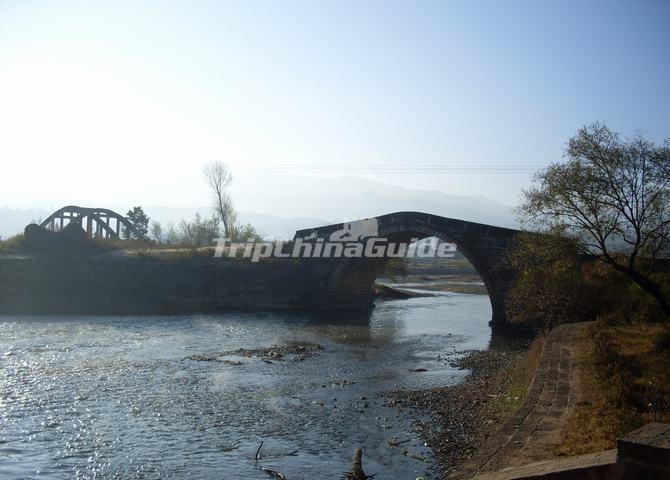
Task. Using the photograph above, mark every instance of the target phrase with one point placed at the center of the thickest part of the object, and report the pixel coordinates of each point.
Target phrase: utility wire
(399, 169)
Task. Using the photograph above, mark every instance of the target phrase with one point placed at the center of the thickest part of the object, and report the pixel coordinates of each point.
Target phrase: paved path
(534, 431)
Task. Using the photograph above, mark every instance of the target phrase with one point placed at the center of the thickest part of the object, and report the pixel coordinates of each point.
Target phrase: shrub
(199, 231)
(395, 267)
(15, 244)
(243, 233)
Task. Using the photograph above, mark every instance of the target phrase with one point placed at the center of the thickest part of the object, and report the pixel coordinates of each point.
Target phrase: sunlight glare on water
(116, 397)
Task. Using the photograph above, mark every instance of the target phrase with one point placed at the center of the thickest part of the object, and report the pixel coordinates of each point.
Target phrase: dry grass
(625, 382)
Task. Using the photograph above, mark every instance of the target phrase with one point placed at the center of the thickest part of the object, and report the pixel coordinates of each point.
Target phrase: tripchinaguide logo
(355, 239)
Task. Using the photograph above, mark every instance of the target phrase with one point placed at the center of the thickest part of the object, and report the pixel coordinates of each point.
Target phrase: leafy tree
(140, 223)
(612, 197)
(552, 284)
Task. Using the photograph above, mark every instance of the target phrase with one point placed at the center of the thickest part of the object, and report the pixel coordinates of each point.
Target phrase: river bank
(471, 284)
(456, 420)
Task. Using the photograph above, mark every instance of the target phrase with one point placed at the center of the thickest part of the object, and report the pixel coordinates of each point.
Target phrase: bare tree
(613, 197)
(171, 236)
(157, 231)
(219, 179)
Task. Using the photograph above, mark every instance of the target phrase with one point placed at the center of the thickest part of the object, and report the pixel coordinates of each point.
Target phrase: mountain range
(280, 204)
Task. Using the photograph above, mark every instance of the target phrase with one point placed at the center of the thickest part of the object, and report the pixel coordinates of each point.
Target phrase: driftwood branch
(356, 472)
(273, 473)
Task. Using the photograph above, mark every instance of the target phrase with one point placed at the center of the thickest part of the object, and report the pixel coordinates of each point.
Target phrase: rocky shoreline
(456, 420)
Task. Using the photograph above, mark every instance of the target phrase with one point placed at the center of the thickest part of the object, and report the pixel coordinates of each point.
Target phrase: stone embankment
(533, 432)
(152, 284)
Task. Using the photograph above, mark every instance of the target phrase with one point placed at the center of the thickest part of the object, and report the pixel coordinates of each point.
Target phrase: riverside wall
(142, 284)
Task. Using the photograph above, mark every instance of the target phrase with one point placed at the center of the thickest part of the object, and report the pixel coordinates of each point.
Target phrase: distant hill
(335, 199)
(280, 204)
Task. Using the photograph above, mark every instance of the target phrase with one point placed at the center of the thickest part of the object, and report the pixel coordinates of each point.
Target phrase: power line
(397, 169)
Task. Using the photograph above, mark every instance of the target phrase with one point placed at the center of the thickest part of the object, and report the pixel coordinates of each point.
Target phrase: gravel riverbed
(456, 420)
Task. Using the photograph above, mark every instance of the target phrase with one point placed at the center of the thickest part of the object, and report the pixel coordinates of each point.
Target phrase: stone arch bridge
(352, 279)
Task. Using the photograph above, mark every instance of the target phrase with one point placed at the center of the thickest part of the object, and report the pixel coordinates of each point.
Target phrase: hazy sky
(107, 100)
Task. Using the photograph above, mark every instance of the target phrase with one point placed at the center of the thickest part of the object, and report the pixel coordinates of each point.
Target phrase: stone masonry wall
(45, 284)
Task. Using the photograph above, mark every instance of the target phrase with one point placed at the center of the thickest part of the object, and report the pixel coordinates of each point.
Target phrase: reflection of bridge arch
(98, 222)
(352, 279)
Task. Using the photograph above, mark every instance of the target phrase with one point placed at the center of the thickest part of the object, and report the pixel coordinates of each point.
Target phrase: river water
(117, 397)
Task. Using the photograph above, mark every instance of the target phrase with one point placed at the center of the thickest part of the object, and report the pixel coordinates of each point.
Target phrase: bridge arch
(97, 222)
(352, 279)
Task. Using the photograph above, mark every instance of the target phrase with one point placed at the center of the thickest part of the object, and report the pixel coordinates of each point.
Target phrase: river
(117, 397)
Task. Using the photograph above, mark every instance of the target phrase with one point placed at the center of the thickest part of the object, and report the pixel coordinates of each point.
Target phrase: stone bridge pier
(351, 282)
